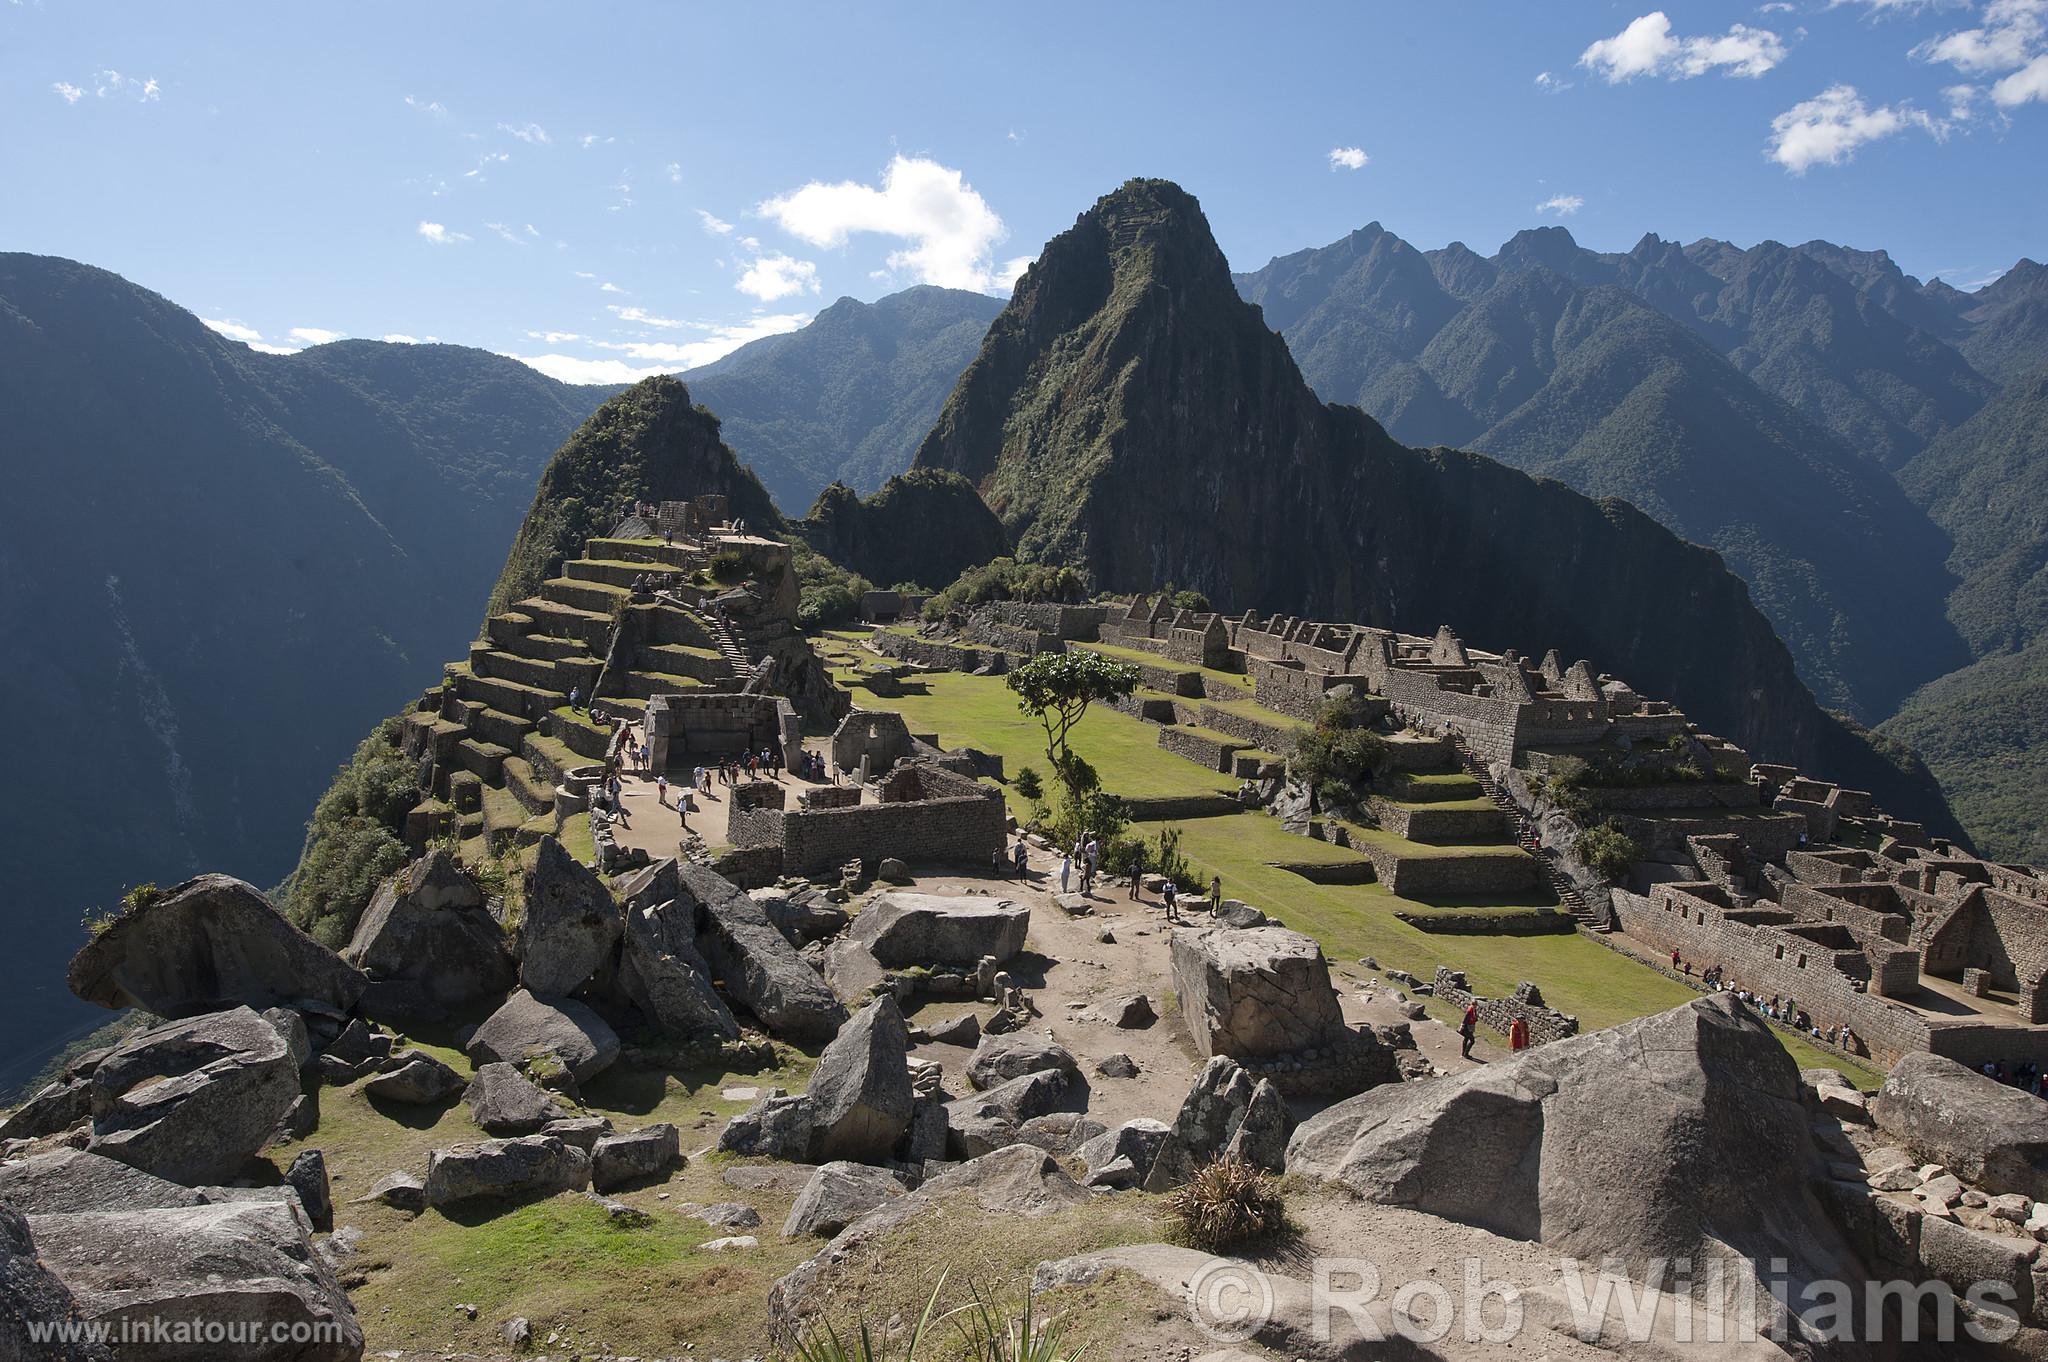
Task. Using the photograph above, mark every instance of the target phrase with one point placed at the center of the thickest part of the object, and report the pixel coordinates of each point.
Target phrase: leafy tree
(1006, 579)
(1607, 851)
(1056, 689)
(1339, 755)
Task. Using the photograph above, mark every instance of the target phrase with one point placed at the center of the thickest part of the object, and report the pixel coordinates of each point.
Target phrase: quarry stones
(73, 1181)
(838, 1194)
(527, 1026)
(529, 1166)
(901, 929)
(761, 970)
(1262, 995)
(571, 927)
(999, 1059)
(504, 1102)
(244, 1263)
(208, 943)
(860, 1093)
(414, 1078)
(1948, 1113)
(428, 927)
(663, 975)
(192, 1100)
(651, 1152)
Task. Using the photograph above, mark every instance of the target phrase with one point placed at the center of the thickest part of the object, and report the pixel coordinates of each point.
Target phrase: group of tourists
(1784, 1011)
(1468, 1031)
(2026, 1075)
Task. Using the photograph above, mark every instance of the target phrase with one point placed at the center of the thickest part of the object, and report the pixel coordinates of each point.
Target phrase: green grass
(1220, 685)
(1401, 846)
(1248, 708)
(576, 838)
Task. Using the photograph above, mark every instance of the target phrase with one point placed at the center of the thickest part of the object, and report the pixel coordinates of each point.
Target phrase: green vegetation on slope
(352, 843)
(1984, 733)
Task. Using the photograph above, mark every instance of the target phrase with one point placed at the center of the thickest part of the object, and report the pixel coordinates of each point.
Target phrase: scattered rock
(582, 1131)
(1131, 1012)
(661, 971)
(187, 1268)
(1123, 1157)
(400, 1191)
(987, 1121)
(307, 1176)
(518, 1333)
(504, 1102)
(838, 1194)
(209, 943)
(726, 1215)
(902, 929)
(963, 1030)
(892, 870)
(1991, 1134)
(1238, 914)
(646, 1153)
(33, 1300)
(1000, 1059)
(571, 927)
(730, 1243)
(428, 926)
(419, 1080)
(761, 970)
(530, 1166)
(528, 1025)
(776, 1127)
(1118, 1065)
(192, 1100)
(74, 1181)
(860, 1093)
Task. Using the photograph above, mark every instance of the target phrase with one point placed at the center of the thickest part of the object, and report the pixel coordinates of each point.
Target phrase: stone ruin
(1498, 1014)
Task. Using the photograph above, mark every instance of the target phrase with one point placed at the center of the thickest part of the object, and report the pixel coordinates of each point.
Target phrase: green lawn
(1219, 684)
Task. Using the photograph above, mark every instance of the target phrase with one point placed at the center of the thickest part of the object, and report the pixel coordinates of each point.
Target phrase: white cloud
(775, 276)
(532, 133)
(674, 171)
(1550, 83)
(1777, 7)
(233, 329)
(110, 84)
(315, 335)
(717, 226)
(2028, 83)
(400, 338)
(1348, 158)
(67, 92)
(507, 233)
(659, 357)
(1648, 48)
(1827, 129)
(1561, 204)
(951, 229)
(262, 348)
(553, 337)
(427, 106)
(591, 139)
(609, 287)
(441, 236)
(532, 230)
(642, 316)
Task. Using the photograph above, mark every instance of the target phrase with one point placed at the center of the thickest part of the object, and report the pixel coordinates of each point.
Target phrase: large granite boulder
(34, 1304)
(1677, 1136)
(662, 974)
(860, 1096)
(427, 926)
(505, 1102)
(776, 1127)
(209, 943)
(571, 927)
(803, 916)
(761, 970)
(900, 928)
(414, 1078)
(1982, 1130)
(72, 1181)
(1122, 1158)
(999, 1059)
(1254, 993)
(527, 1026)
(987, 1121)
(192, 1100)
(838, 1194)
(246, 1265)
(1212, 1121)
(531, 1166)
(650, 1152)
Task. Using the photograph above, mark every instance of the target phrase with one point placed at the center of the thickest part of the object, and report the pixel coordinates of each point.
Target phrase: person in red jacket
(1469, 1029)
(1518, 1034)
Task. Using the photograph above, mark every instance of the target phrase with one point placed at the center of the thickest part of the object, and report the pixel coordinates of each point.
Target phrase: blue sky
(614, 190)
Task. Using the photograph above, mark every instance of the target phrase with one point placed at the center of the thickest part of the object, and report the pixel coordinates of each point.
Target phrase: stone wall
(1210, 750)
(1435, 823)
(1872, 911)
(1545, 1023)
(1080, 623)
(1292, 689)
(700, 726)
(755, 815)
(927, 815)
(1452, 875)
(937, 655)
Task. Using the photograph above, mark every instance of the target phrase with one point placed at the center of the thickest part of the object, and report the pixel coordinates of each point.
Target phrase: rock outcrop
(570, 933)
(662, 974)
(1000, 1059)
(209, 943)
(34, 1303)
(527, 1026)
(192, 1100)
(1677, 1136)
(1262, 996)
(428, 944)
(1994, 1135)
(530, 1166)
(761, 970)
(75, 1181)
(901, 929)
(838, 1194)
(504, 1101)
(246, 1264)
(414, 1078)
(860, 1096)
(650, 1152)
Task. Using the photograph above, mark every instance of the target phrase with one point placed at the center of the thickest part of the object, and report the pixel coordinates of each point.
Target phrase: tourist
(1468, 1029)
(661, 791)
(683, 807)
(575, 697)
(1023, 861)
(1518, 1034)
(1215, 895)
(996, 865)
(1674, 957)
(1170, 896)
(1094, 858)
(1138, 873)
(1066, 869)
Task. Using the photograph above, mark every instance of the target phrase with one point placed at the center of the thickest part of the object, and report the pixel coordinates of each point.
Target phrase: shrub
(1607, 851)
(726, 564)
(352, 842)
(1339, 755)
(1027, 784)
(1006, 579)
(1226, 1203)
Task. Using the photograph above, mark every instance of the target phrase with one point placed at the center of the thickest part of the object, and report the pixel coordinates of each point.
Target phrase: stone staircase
(1568, 894)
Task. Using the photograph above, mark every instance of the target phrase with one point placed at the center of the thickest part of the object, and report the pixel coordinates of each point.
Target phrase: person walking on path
(1138, 874)
(1094, 859)
(683, 806)
(1023, 861)
(1469, 1029)
(1170, 895)
(1066, 869)
(661, 790)
(1215, 895)
(1518, 1034)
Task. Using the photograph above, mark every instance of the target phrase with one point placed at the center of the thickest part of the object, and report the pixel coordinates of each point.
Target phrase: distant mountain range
(847, 398)
(217, 569)
(1130, 414)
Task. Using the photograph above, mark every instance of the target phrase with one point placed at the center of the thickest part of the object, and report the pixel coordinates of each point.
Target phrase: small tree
(1056, 689)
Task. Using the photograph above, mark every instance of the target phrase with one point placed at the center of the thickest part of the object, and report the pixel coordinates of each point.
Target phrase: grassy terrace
(1219, 684)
